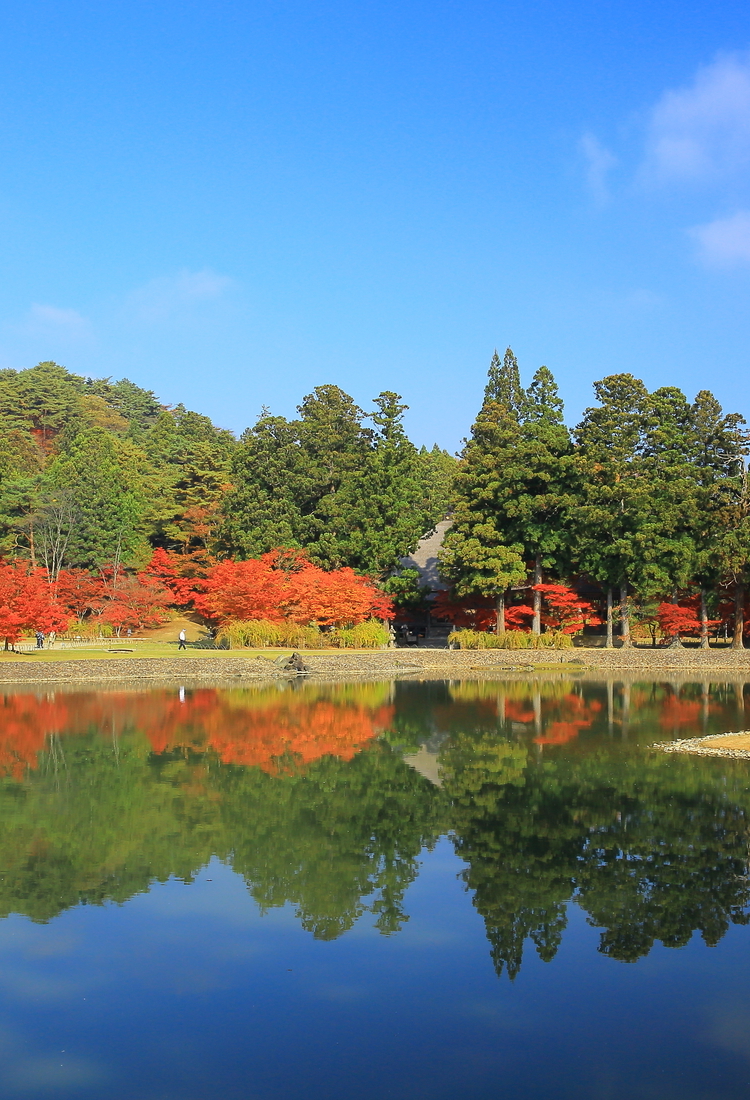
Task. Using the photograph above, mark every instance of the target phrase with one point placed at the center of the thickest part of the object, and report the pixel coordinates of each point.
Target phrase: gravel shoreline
(436, 664)
(706, 746)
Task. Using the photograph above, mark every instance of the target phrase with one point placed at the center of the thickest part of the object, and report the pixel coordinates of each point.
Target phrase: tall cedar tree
(476, 556)
(385, 499)
(609, 512)
(539, 483)
(514, 489)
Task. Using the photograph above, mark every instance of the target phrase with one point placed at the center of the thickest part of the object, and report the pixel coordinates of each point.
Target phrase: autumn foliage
(281, 586)
(120, 599)
(268, 730)
(565, 610)
(26, 602)
(678, 618)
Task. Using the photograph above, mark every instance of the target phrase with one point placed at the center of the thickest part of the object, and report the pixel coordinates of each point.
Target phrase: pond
(374, 890)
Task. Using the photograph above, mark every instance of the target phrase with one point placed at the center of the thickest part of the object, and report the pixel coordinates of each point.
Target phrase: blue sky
(231, 203)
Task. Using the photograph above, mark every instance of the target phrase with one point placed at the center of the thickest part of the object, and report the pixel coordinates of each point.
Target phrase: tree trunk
(32, 548)
(704, 620)
(625, 615)
(610, 709)
(500, 613)
(739, 619)
(609, 643)
(536, 624)
(625, 724)
(705, 700)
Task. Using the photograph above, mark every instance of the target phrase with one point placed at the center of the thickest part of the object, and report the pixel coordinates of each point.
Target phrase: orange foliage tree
(281, 586)
(169, 570)
(133, 602)
(26, 603)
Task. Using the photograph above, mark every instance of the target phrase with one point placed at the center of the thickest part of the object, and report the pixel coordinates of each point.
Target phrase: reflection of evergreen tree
(653, 848)
(671, 861)
(295, 791)
(520, 842)
(336, 840)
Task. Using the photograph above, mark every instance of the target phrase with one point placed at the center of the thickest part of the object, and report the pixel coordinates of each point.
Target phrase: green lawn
(115, 650)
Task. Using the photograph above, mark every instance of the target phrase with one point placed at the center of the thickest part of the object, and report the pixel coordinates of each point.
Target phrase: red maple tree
(26, 602)
(678, 618)
(565, 610)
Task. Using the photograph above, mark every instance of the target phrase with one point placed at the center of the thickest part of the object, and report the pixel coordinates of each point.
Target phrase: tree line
(639, 515)
(95, 472)
(642, 508)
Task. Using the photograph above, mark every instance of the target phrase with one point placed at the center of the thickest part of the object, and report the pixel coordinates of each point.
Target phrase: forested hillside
(95, 473)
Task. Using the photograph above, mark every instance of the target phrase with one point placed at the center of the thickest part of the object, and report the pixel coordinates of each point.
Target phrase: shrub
(511, 639)
(260, 633)
(368, 635)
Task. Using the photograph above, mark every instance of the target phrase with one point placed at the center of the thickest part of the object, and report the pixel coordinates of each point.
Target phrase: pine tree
(103, 477)
(538, 483)
(719, 444)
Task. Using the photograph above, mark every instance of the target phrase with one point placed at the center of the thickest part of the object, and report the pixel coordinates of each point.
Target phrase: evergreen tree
(719, 445)
(388, 513)
(665, 542)
(262, 509)
(538, 483)
(335, 448)
(476, 557)
(103, 477)
(608, 513)
(437, 474)
(504, 384)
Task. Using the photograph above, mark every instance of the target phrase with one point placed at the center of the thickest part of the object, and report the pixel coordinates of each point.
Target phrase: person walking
(183, 639)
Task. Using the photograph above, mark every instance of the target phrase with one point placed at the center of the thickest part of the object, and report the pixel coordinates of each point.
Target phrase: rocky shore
(435, 664)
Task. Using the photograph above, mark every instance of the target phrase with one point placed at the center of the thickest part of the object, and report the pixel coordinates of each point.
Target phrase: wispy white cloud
(701, 133)
(724, 242)
(54, 324)
(166, 296)
(52, 317)
(599, 163)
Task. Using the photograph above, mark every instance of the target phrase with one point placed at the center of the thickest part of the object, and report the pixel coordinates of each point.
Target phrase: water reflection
(324, 796)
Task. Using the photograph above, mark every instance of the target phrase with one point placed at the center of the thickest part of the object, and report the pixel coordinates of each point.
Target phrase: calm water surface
(409, 890)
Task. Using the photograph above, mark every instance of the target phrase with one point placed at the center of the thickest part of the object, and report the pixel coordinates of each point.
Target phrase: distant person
(183, 639)
(39, 640)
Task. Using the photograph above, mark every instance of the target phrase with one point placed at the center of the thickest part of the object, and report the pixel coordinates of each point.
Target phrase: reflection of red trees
(578, 714)
(517, 711)
(679, 712)
(25, 723)
(258, 731)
